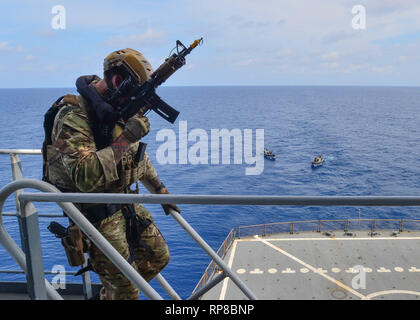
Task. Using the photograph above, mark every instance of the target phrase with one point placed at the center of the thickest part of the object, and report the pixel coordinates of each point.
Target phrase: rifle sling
(135, 225)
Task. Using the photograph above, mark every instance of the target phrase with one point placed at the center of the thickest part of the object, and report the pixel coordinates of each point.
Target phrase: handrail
(220, 200)
(78, 218)
(348, 201)
(21, 205)
(262, 225)
(224, 247)
(22, 271)
(13, 249)
(63, 200)
(84, 225)
(20, 151)
(16, 214)
(319, 225)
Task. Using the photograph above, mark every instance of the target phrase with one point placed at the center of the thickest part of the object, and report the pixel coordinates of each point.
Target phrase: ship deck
(315, 265)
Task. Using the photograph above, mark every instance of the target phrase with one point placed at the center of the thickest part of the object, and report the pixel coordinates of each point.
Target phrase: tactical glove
(166, 208)
(136, 128)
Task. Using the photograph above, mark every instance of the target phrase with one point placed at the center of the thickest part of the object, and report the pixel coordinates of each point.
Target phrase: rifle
(143, 97)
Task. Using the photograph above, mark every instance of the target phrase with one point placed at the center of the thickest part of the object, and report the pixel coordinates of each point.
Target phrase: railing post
(196, 237)
(18, 175)
(212, 283)
(373, 225)
(87, 284)
(31, 243)
(167, 287)
(30, 237)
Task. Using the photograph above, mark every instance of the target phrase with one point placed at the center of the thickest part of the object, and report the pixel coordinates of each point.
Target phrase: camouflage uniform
(76, 165)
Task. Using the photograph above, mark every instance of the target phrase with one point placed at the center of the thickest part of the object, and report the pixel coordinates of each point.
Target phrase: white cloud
(50, 67)
(287, 52)
(331, 65)
(403, 59)
(4, 46)
(243, 63)
(275, 39)
(338, 36)
(149, 37)
(331, 56)
(386, 7)
(45, 33)
(354, 68)
(383, 69)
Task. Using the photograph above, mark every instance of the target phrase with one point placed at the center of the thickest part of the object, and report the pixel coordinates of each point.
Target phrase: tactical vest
(131, 168)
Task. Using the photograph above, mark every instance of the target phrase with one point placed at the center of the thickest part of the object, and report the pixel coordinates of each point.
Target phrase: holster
(74, 246)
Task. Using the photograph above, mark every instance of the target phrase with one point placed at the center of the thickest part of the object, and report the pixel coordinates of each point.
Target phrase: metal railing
(212, 267)
(31, 260)
(345, 225)
(17, 174)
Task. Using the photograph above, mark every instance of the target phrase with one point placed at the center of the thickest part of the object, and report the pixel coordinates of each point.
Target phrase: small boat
(269, 155)
(318, 161)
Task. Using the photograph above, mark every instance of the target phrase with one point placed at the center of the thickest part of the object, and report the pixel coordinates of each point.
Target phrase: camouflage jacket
(76, 165)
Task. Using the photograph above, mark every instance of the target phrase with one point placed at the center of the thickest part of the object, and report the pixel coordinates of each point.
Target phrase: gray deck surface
(310, 265)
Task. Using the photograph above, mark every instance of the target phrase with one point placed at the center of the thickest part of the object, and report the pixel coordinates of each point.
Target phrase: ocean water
(369, 137)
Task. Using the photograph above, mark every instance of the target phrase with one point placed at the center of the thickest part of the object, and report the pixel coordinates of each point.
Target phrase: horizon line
(246, 85)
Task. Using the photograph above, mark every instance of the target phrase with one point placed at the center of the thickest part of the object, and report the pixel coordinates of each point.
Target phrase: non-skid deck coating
(311, 265)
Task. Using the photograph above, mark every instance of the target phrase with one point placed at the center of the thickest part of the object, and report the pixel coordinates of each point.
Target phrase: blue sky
(246, 42)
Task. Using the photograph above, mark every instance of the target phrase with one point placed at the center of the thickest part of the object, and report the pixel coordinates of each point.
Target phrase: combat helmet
(131, 61)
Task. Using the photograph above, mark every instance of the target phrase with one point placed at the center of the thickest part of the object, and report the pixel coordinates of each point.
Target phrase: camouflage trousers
(115, 285)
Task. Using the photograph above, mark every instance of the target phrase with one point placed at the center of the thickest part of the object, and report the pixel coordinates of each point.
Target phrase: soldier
(79, 157)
